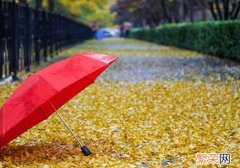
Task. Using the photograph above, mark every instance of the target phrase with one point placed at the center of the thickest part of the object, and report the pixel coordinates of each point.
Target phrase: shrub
(220, 38)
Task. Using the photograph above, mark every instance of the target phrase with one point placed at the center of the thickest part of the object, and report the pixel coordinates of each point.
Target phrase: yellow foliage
(124, 124)
(87, 11)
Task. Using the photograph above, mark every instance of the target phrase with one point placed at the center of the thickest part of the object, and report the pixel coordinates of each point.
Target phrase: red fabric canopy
(33, 101)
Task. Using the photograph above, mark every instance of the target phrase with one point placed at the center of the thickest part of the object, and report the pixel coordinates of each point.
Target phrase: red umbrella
(44, 92)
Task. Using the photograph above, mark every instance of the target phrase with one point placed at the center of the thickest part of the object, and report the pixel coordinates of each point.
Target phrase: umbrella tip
(85, 150)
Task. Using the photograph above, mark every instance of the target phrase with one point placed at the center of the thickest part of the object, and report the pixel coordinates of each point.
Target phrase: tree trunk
(190, 10)
(203, 9)
(152, 13)
(226, 9)
(181, 10)
(175, 11)
(217, 3)
(236, 11)
(165, 13)
(211, 6)
(22, 1)
(39, 4)
(51, 5)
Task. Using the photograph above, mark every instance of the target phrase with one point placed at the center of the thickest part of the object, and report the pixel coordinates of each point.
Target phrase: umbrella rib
(64, 122)
(89, 80)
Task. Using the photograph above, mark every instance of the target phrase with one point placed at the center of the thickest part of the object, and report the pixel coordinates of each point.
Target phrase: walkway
(144, 61)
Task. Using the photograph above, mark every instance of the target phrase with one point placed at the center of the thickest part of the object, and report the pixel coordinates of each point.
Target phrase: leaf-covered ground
(155, 104)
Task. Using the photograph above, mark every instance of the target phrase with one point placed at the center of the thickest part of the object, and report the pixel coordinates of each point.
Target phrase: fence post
(14, 41)
(31, 39)
(1, 41)
(44, 36)
(36, 36)
(27, 56)
(57, 35)
(50, 15)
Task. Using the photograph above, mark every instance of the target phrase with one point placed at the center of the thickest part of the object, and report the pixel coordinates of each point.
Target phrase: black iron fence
(29, 36)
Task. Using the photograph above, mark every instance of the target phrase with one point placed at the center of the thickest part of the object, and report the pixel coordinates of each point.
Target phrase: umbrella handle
(84, 148)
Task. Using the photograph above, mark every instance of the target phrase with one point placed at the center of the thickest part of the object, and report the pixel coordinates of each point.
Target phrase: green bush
(220, 38)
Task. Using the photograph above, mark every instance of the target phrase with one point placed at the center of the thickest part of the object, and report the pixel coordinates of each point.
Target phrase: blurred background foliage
(83, 10)
(142, 13)
(155, 12)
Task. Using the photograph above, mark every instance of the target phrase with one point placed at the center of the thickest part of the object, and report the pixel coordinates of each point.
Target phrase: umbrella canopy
(47, 90)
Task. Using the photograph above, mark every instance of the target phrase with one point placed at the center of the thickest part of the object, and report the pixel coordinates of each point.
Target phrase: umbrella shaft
(64, 122)
(69, 129)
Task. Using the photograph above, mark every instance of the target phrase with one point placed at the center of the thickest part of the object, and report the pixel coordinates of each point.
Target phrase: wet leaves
(135, 123)
(126, 123)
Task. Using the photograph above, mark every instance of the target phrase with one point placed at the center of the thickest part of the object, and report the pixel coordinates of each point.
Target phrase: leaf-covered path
(156, 104)
(145, 61)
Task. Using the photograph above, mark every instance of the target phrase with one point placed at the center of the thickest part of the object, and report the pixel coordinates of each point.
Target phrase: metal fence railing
(29, 36)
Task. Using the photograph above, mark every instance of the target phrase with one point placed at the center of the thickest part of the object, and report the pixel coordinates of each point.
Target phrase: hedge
(220, 38)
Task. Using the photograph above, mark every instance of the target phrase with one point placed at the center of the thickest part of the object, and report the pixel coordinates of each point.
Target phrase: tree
(224, 9)
(38, 4)
(166, 17)
(154, 12)
(88, 11)
(181, 15)
(22, 1)
(82, 10)
(51, 5)
(203, 5)
(139, 12)
(191, 10)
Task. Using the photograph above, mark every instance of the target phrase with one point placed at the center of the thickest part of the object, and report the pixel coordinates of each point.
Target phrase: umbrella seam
(102, 67)
(43, 113)
(92, 81)
(58, 92)
(48, 83)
